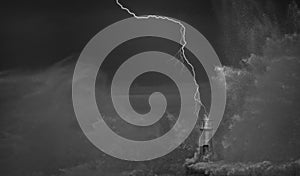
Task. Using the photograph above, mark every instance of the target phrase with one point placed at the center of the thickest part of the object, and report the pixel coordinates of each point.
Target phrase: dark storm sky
(35, 35)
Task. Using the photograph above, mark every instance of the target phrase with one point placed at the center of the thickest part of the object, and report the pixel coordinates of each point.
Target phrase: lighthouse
(205, 144)
(204, 151)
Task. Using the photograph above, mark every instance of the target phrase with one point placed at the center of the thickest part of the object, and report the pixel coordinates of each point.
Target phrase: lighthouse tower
(204, 151)
(205, 144)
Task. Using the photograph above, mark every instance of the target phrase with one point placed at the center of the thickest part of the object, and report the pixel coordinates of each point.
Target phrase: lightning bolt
(181, 51)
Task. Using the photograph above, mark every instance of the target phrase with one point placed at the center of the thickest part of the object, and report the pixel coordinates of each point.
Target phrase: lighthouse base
(203, 154)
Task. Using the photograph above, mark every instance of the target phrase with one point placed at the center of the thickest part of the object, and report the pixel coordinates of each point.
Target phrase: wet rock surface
(264, 168)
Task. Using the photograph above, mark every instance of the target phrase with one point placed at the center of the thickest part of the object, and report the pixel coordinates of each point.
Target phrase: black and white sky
(37, 34)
